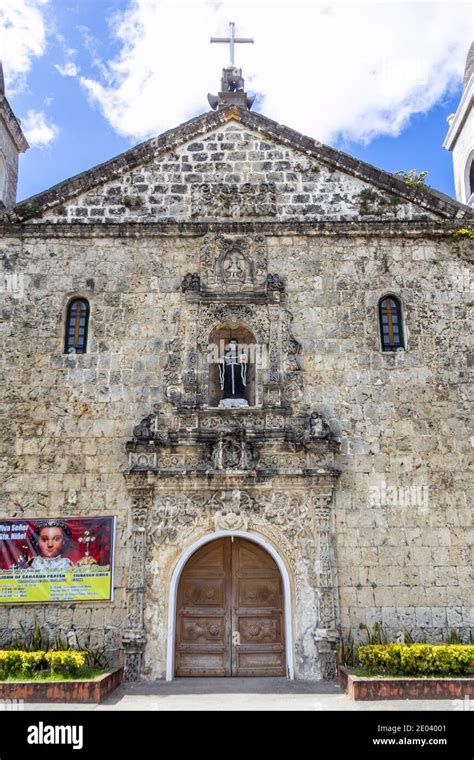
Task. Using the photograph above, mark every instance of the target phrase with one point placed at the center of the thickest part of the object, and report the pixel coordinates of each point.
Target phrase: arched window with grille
(77, 320)
(391, 329)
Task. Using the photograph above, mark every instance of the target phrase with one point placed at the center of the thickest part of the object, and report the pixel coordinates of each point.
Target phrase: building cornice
(378, 229)
(460, 116)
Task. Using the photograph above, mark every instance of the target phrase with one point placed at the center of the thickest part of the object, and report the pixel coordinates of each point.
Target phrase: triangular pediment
(234, 165)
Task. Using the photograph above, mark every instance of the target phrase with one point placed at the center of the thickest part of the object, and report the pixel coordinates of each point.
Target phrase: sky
(91, 78)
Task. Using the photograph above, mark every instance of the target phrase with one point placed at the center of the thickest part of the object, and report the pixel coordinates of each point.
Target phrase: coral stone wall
(404, 524)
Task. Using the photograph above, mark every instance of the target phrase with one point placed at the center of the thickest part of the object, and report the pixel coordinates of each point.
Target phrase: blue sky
(105, 75)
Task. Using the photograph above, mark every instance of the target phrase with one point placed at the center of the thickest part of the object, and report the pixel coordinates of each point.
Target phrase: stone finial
(232, 83)
(232, 91)
(2, 80)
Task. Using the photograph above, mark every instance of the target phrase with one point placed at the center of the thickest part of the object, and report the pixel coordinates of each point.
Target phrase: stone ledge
(360, 688)
(171, 228)
(63, 691)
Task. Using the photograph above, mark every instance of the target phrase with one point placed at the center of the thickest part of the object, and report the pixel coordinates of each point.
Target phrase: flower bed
(68, 690)
(411, 671)
(416, 659)
(54, 676)
(386, 687)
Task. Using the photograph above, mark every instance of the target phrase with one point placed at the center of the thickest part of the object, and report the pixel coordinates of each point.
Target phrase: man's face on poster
(51, 542)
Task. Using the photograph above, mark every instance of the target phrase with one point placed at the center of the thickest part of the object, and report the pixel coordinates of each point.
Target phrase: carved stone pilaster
(326, 634)
(133, 639)
(190, 383)
(274, 350)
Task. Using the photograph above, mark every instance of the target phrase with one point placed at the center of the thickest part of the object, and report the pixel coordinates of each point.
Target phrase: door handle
(236, 638)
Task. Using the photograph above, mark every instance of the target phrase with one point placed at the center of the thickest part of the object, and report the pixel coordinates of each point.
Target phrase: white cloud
(351, 70)
(37, 131)
(69, 69)
(22, 38)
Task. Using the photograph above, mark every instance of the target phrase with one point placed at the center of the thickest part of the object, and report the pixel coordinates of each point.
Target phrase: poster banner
(64, 559)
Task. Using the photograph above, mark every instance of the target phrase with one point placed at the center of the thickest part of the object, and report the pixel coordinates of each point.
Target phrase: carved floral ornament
(174, 515)
(233, 453)
(141, 503)
(223, 444)
(254, 317)
(234, 201)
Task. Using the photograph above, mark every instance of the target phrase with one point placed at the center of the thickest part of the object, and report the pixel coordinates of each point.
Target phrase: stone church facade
(337, 491)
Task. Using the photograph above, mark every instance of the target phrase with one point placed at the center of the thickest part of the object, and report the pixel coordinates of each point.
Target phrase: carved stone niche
(234, 297)
(248, 356)
(217, 325)
(233, 452)
(233, 264)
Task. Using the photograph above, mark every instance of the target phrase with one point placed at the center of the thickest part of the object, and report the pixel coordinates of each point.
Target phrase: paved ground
(242, 694)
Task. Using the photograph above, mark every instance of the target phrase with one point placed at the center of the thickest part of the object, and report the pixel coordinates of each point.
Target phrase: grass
(86, 674)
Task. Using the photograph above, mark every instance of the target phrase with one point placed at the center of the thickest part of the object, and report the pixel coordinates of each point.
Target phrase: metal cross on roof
(232, 40)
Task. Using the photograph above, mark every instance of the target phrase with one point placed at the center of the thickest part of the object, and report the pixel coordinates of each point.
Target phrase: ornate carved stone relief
(265, 463)
(233, 262)
(133, 638)
(233, 268)
(254, 317)
(233, 453)
(173, 515)
(191, 281)
(326, 634)
(233, 201)
(231, 521)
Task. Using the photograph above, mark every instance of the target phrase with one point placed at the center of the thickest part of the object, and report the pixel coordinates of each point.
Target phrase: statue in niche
(233, 269)
(318, 428)
(233, 376)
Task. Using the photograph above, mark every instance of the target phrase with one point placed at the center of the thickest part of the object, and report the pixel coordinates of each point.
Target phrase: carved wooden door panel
(203, 633)
(230, 612)
(257, 612)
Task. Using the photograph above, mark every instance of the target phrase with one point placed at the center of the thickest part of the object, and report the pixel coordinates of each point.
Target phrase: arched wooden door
(229, 619)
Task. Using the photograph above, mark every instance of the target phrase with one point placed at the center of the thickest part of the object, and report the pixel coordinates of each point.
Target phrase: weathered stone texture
(403, 522)
(233, 174)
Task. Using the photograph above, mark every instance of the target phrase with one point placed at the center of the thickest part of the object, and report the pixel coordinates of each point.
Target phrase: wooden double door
(230, 612)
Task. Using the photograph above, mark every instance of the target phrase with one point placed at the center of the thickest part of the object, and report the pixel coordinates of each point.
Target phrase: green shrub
(416, 659)
(32, 662)
(412, 177)
(18, 663)
(67, 662)
(11, 663)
